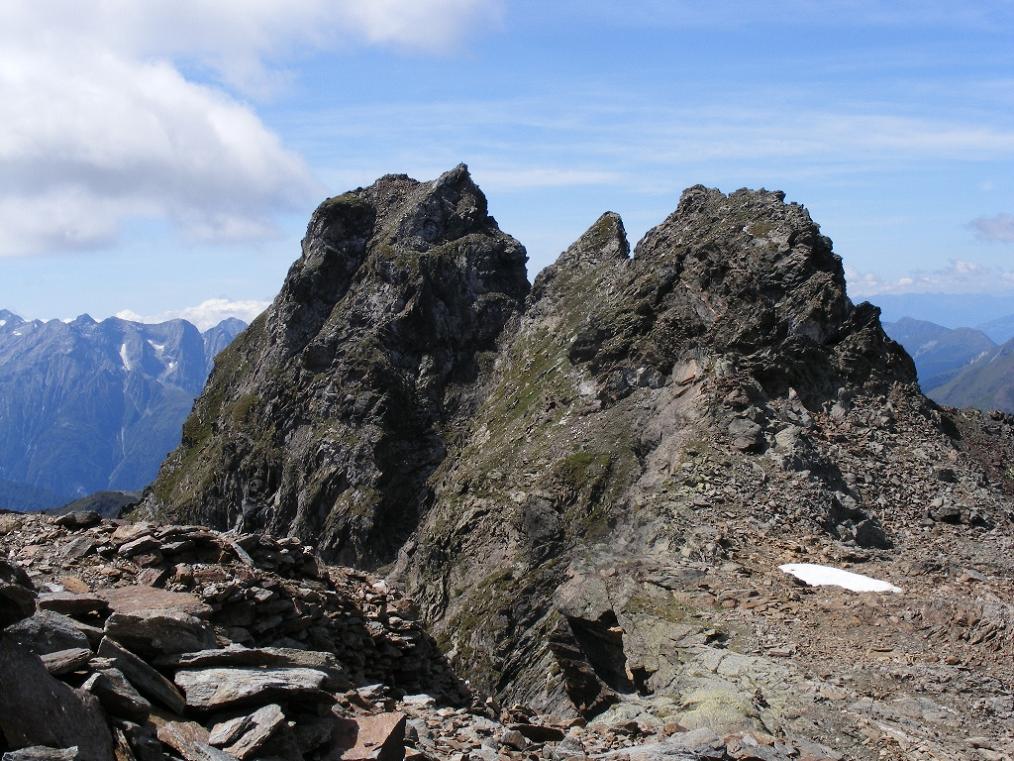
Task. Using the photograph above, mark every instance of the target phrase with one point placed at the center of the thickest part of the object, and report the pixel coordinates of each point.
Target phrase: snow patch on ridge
(823, 575)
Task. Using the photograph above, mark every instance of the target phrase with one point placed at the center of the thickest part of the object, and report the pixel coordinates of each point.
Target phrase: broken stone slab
(129, 531)
(154, 621)
(148, 681)
(217, 688)
(78, 519)
(66, 661)
(17, 594)
(71, 604)
(189, 740)
(380, 737)
(117, 695)
(138, 598)
(140, 546)
(48, 632)
(76, 548)
(42, 753)
(37, 709)
(237, 655)
(245, 735)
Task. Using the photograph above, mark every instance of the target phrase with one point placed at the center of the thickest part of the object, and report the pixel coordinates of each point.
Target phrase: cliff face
(588, 488)
(327, 417)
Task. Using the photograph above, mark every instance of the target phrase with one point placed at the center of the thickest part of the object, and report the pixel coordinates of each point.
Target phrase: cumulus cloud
(959, 276)
(998, 228)
(205, 315)
(101, 126)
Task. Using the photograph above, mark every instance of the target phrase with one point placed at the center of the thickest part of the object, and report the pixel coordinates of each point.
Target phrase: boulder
(78, 519)
(37, 709)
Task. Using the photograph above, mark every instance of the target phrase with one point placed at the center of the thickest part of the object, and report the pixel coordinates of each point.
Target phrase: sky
(162, 158)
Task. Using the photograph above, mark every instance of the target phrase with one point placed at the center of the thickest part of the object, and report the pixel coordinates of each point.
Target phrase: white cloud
(100, 125)
(205, 315)
(998, 228)
(959, 276)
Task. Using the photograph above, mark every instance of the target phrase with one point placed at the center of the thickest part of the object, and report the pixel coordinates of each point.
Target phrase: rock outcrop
(588, 488)
(327, 417)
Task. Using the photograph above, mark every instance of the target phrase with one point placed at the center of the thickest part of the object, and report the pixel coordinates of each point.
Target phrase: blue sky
(162, 158)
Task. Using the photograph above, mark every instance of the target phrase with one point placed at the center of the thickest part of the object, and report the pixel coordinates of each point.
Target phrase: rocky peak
(582, 485)
(375, 345)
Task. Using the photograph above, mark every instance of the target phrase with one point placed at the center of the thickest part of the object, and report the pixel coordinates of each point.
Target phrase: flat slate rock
(238, 655)
(72, 604)
(148, 681)
(41, 753)
(160, 631)
(37, 709)
(379, 737)
(139, 598)
(154, 621)
(67, 661)
(217, 688)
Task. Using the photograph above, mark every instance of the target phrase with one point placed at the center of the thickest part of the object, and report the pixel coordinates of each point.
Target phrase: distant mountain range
(961, 367)
(87, 406)
(990, 313)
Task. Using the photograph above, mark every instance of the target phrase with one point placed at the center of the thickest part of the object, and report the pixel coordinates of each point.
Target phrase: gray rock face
(376, 344)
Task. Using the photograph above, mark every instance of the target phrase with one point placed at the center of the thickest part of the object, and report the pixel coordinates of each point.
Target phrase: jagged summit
(567, 477)
(369, 354)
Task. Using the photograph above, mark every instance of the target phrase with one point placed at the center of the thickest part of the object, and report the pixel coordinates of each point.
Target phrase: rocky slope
(589, 488)
(87, 406)
(130, 641)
